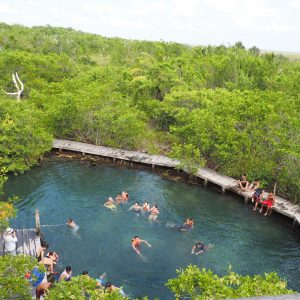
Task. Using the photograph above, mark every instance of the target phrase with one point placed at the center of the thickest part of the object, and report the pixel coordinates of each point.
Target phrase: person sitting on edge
(10, 241)
(125, 196)
(154, 212)
(48, 262)
(136, 207)
(259, 196)
(146, 206)
(110, 203)
(254, 185)
(72, 224)
(199, 248)
(188, 224)
(66, 274)
(269, 203)
(136, 244)
(243, 183)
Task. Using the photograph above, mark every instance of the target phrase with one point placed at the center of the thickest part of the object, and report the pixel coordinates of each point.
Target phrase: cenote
(250, 243)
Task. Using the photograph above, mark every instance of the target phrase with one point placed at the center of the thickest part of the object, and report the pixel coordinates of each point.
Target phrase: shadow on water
(244, 239)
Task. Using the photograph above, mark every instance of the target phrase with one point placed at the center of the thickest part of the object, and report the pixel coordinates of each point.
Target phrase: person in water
(119, 198)
(154, 212)
(188, 224)
(110, 203)
(125, 196)
(136, 207)
(66, 275)
(199, 248)
(136, 244)
(109, 288)
(146, 206)
(72, 224)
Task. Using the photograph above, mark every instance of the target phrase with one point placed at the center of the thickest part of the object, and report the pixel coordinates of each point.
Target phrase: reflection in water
(69, 189)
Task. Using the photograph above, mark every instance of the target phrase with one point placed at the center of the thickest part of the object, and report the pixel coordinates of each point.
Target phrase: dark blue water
(61, 189)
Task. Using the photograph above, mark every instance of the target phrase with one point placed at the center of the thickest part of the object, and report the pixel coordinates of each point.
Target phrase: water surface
(248, 242)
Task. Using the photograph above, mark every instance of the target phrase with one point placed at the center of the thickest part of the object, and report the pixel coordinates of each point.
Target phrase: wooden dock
(281, 206)
(28, 242)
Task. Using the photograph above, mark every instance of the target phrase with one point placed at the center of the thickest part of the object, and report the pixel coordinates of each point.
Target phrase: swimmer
(72, 224)
(154, 212)
(136, 244)
(146, 206)
(119, 198)
(136, 207)
(125, 196)
(188, 224)
(199, 248)
(110, 203)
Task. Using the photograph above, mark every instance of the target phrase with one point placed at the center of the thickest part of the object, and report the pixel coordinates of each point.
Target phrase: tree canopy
(237, 110)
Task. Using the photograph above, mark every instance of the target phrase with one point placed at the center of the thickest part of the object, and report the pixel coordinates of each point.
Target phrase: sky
(266, 24)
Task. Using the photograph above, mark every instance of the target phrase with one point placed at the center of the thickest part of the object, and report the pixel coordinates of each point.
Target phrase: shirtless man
(136, 207)
(72, 224)
(136, 244)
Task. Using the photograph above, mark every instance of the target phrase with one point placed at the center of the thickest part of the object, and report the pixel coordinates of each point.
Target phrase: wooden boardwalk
(281, 206)
(28, 242)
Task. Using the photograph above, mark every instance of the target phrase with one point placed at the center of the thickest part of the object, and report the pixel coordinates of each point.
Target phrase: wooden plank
(37, 241)
(25, 242)
(19, 234)
(31, 238)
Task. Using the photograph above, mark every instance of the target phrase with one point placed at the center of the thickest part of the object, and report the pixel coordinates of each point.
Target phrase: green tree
(197, 284)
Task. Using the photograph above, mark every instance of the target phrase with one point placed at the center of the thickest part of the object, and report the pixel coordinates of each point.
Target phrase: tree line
(237, 109)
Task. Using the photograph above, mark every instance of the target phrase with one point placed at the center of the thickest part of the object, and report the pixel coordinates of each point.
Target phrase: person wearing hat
(10, 241)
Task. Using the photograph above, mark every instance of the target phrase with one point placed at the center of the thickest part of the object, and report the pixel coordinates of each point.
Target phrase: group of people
(260, 196)
(120, 198)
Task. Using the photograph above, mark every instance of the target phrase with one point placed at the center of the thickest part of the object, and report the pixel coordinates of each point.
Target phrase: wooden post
(205, 182)
(153, 166)
(223, 190)
(114, 159)
(37, 222)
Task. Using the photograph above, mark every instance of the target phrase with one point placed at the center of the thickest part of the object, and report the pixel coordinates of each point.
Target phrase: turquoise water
(241, 238)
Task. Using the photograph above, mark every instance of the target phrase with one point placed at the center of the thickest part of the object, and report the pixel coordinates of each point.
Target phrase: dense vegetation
(191, 283)
(234, 109)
